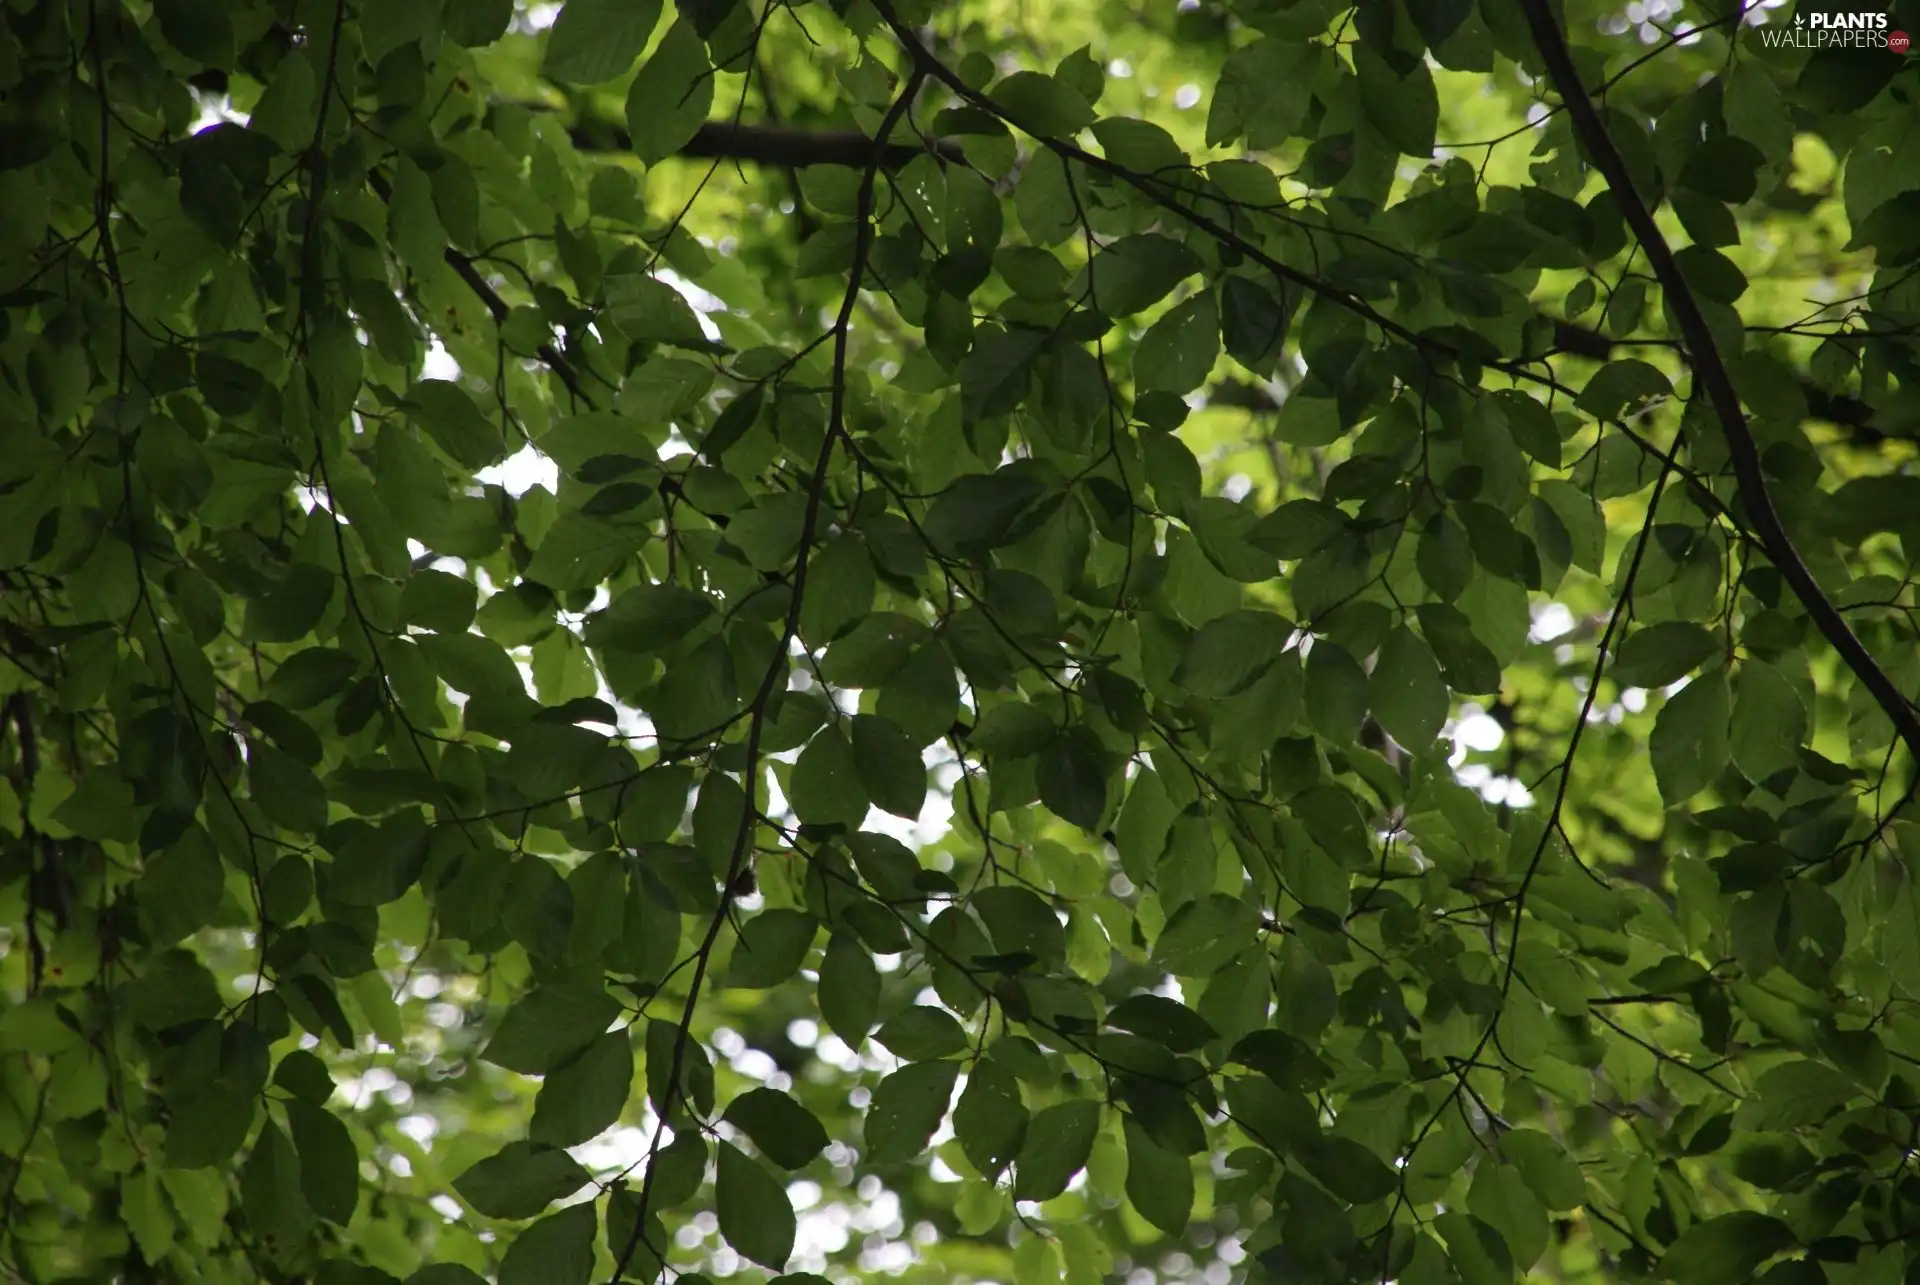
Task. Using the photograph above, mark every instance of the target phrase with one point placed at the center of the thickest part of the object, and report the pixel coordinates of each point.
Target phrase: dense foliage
(1255, 640)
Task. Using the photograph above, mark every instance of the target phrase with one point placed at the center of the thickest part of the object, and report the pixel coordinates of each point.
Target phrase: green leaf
(770, 950)
(209, 1127)
(1140, 834)
(1204, 934)
(1137, 144)
(1042, 105)
(1044, 202)
(872, 651)
(1012, 730)
(579, 552)
(919, 1033)
(1159, 1182)
(37, 1026)
(1178, 351)
(285, 112)
(202, 33)
(1337, 692)
(1253, 324)
(647, 308)
(329, 1164)
(1021, 924)
(1444, 557)
(1724, 1250)
(292, 610)
(735, 419)
(840, 588)
(1622, 384)
(1468, 664)
(907, 1107)
(1439, 19)
(648, 618)
(1349, 1170)
(755, 1216)
(595, 40)
(975, 513)
(923, 696)
(1796, 1094)
(482, 670)
(479, 23)
(1768, 724)
(1479, 1254)
(550, 1025)
(1229, 654)
(1405, 108)
(305, 1076)
(888, 864)
(1264, 94)
(786, 1132)
(1165, 1021)
(827, 787)
(436, 600)
(1073, 780)
(1723, 168)
(889, 766)
(680, 1170)
(849, 989)
(307, 678)
(557, 1250)
(584, 1096)
(1136, 272)
(1690, 744)
(1059, 1140)
(598, 887)
(670, 98)
(277, 1211)
(973, 220)
(1864, 505)
(1406, 691)
(145, 1212)
(990, 1121)
(670, 1049)
(285, 789)
(520, 1180)
(456, 424)
(1552, 1174)
(181, 889)
(995, 375)
(1501, 1198)
(1662, 654)
(446, 1274)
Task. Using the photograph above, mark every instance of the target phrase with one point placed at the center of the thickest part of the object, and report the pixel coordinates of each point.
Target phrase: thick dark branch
(1710, 373)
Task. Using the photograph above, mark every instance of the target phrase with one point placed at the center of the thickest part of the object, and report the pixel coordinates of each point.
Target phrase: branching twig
(777, 667)
(1711, 373)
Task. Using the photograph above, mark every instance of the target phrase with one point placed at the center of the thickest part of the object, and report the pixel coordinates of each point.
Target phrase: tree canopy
(1253, 640)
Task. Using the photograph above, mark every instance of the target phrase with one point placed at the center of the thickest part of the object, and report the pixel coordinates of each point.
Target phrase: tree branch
(1710, 372)
(776, 672)
(794, 147)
